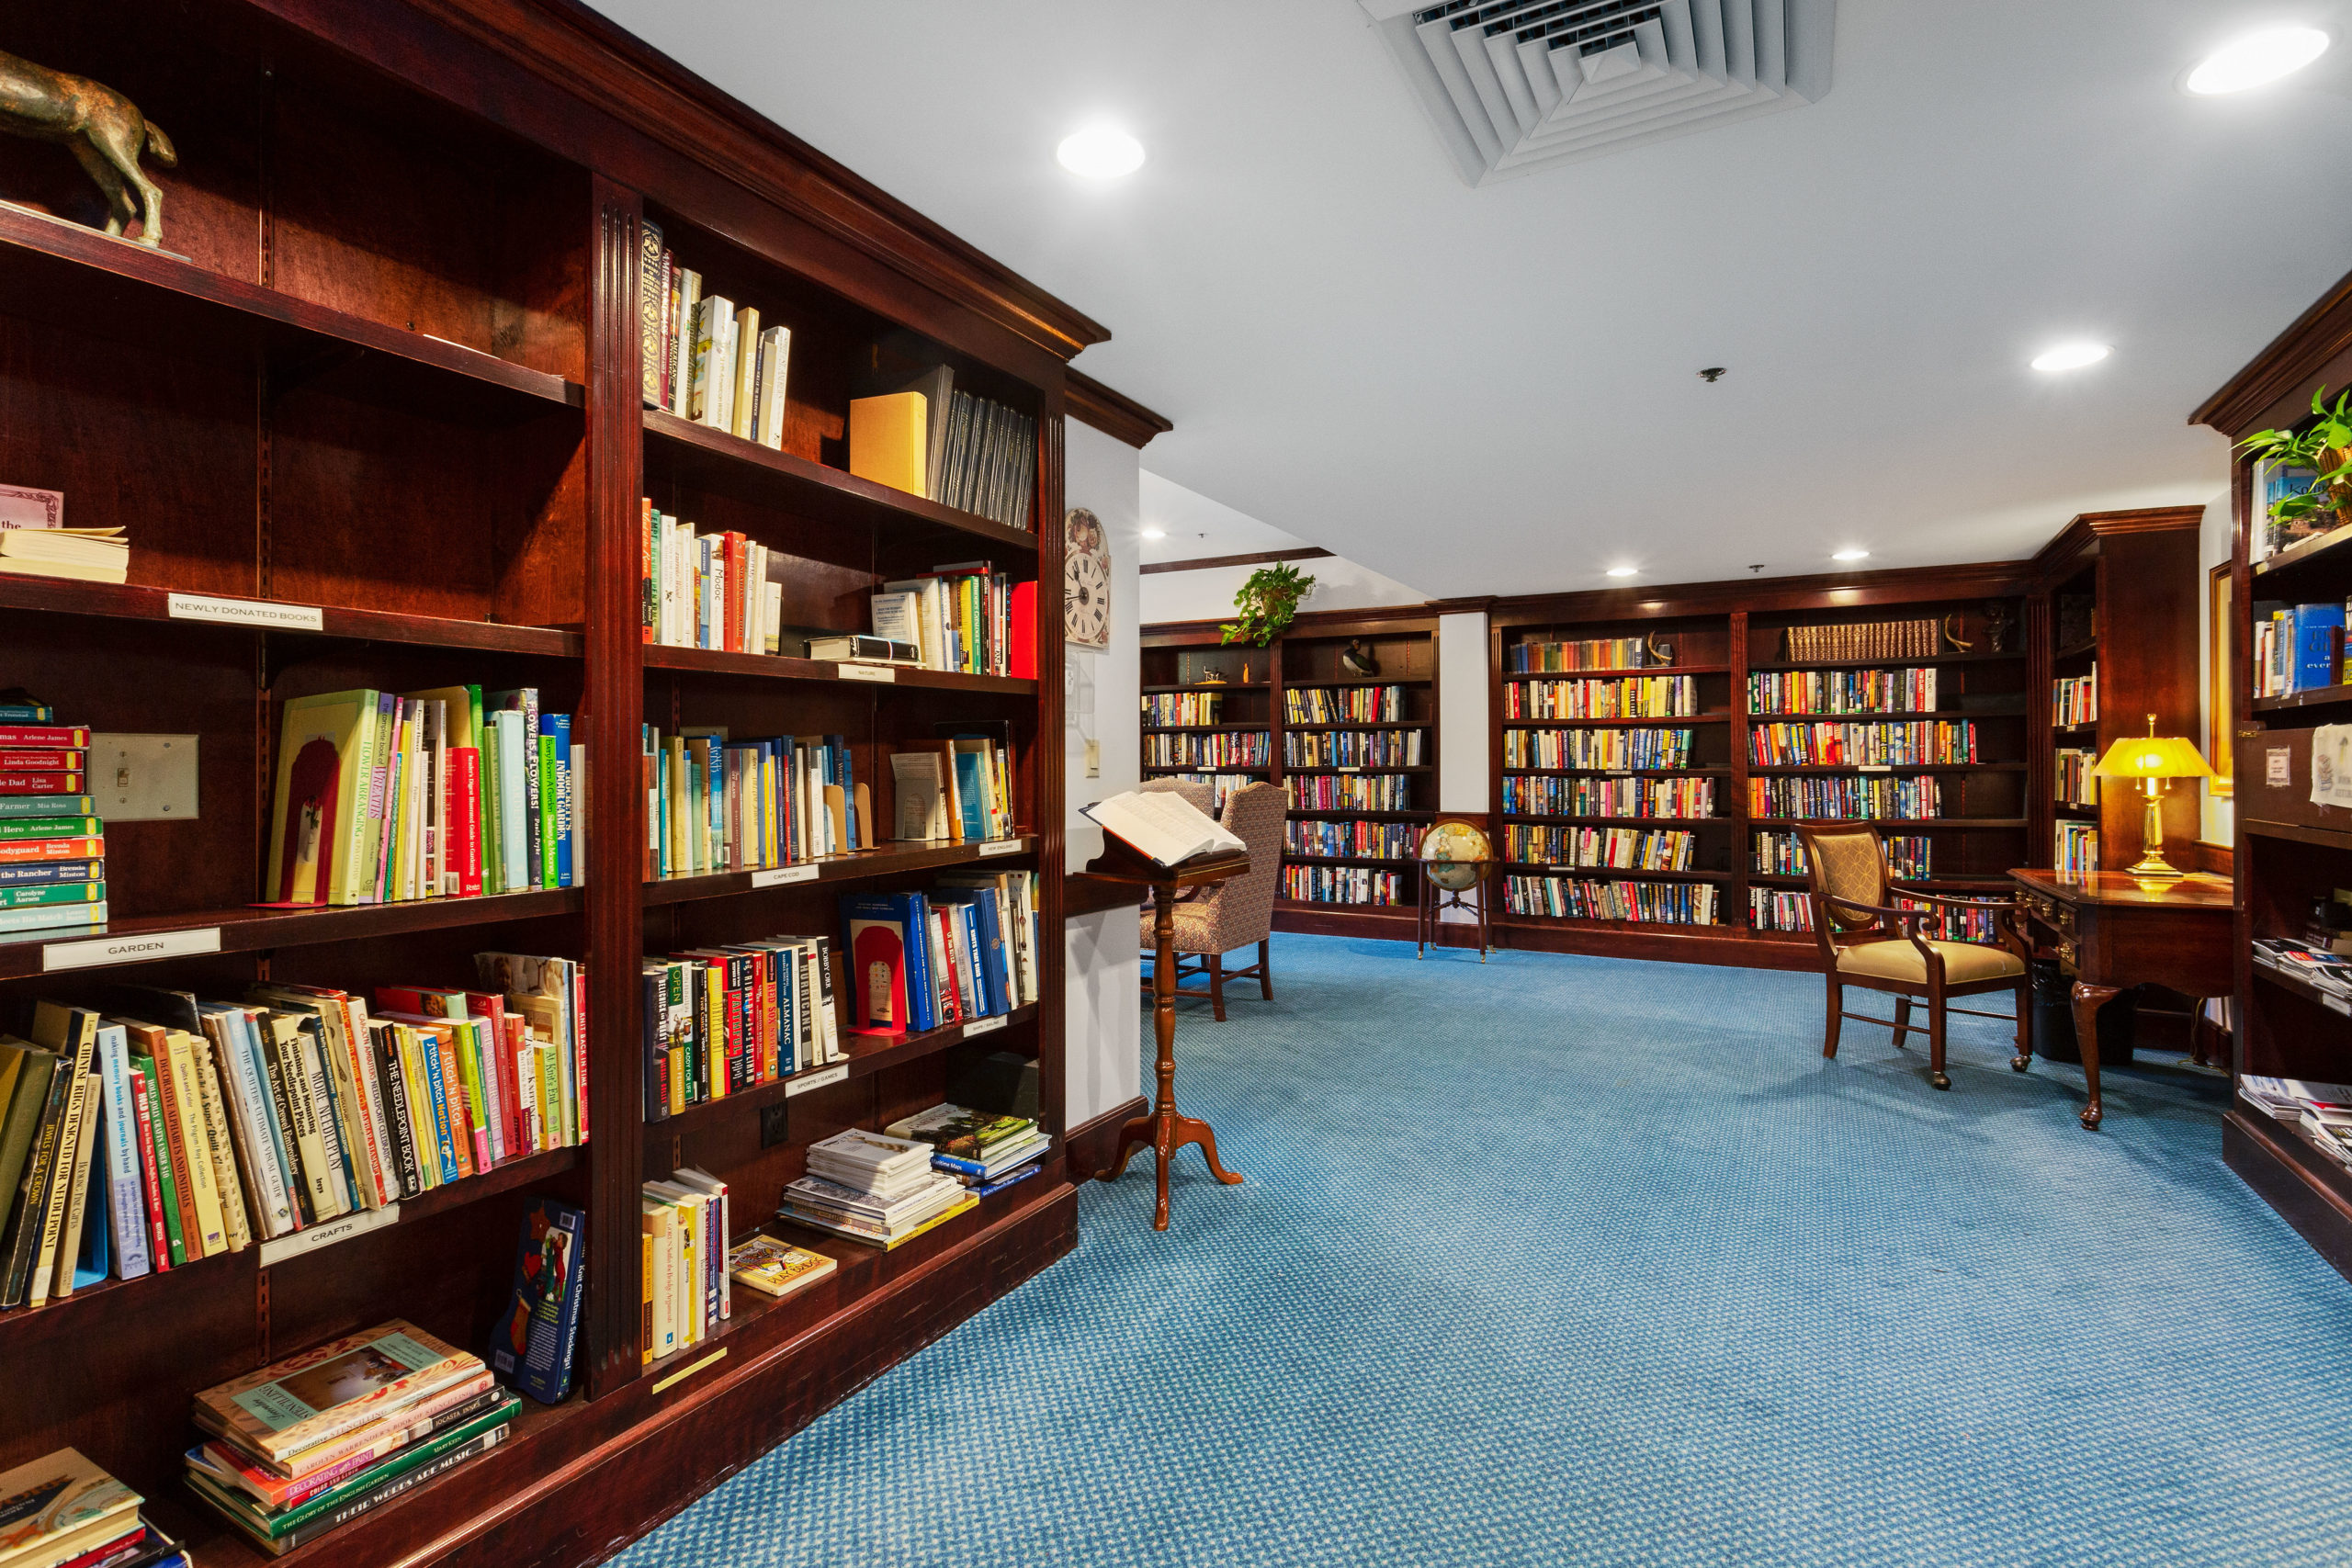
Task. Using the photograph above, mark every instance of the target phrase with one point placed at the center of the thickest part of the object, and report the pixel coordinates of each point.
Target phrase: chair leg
(1936, 1073)
(1217, 984)
(1265, 969)
(1902, 1020)
(1837, 1017)
(2024, 1058)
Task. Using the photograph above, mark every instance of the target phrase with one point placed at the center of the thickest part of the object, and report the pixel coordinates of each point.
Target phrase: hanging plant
(1267, 603)
(2322, 447)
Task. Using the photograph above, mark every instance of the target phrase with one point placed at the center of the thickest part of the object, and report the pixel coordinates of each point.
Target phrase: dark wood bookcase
(2289, 853)
(1307, 658)
(390, 369)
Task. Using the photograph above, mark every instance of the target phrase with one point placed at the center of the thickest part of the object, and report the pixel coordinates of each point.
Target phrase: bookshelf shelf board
(1713, 773)
(1666, 722)
(1905, 824)
(1587, 922)
(1294, 857)
(2318, 697)
(53, 271)
(2288, 981)
(1355, 680)
(1206, 729)
(889, 859)
(134, 601)
(2076, 650)
(1399, 909)
(1203, 768)
(785, 667)
(863, 1055)
(1322, 812)
(1911, 663)
(1366, 767)
(1210, 686)
(1608, 873)
(246, 929)
(1365, 724)
(1647, 669)
(1634, 821)
(1758, 715)
(2321, 548)
(1932, 884)
(2074, 728)
(1857, 768)
(2074, 809)
(681, 450)
(2322, 838)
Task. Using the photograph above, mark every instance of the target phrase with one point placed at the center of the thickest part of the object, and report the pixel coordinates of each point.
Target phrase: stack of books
(965, 950)
(2321, 1110)
(1878, 639)
(35, 542)
(304, 1446)
(62, 1511)
(874, 1188)
(52, 845)
(704, 358)
(686, 1278)
(707, 590)
(982, 1150)
(1626, 696)
(718, 1021)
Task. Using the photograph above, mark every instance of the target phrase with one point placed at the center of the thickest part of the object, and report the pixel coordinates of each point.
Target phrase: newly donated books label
(263, 613)
(312, 1237)
(94, 951)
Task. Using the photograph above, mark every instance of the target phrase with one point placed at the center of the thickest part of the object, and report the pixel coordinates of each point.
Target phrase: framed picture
(2220, 722)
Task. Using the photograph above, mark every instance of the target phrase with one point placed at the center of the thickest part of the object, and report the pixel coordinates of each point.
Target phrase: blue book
(971, 796)
(837, 771)
(559, 725)
(47, 874)
(26, 713)
(439, 1093)
(923, 987)
(117, 1165)
(976, 909)
(2319, 644)
(531, 1348)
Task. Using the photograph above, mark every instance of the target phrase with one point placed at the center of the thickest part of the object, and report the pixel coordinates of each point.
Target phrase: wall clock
(1086, 580)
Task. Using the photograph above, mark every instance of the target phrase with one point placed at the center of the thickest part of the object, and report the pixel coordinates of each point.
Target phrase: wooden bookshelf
(2289, 853)
(1305, 658)
(388, 370)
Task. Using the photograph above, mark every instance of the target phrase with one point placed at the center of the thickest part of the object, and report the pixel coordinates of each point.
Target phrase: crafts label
(94, 951)
(882, 673)
(262, 612)
(779, 876)
(358, 1223)
(838, 1072)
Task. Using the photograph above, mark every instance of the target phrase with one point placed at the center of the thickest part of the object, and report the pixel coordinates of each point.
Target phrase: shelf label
(779, 876)
(89, 954)
(984, 1025)
(2278, 767)
(882, 673)
(358, 1223)
(1001, 846)
(839, 1073)
(689, 1369)
(1877, 768)
(263, 613)
(2339, 1004)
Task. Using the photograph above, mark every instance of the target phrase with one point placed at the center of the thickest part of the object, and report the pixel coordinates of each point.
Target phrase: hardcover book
(57, 1498)
(531, 1348)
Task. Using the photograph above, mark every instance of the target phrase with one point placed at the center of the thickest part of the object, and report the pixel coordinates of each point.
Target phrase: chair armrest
(1883, 911)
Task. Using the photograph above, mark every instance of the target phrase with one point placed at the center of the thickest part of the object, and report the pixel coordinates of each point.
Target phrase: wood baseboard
(1089, 1147)
(2291, 1179)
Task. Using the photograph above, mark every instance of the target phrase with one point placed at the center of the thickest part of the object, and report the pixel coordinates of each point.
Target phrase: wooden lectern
(1164, 1129)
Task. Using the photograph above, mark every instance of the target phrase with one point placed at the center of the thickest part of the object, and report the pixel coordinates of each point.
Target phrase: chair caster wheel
(1941, 1080)
(2020, 1064)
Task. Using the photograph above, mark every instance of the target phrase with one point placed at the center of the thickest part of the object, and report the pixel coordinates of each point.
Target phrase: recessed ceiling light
(1155, 532)
(2071, 355)
(1852, 555)
(2257, 58)
(1624, 570)
(1100, 153)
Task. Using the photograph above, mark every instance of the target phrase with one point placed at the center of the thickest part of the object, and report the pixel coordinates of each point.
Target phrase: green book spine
(546, 824)
(51, 827)
(494, 836)
(47, 805)
(145, 1067)
(55, 893)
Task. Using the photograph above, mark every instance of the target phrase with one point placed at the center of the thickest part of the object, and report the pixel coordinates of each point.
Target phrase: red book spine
(43, 735)
(465, 1116)
(515, 1044)
(465, 773)
(158, 1240)
(40, 784)
(1021, 656)
(73, 760)
(501, 1060)
(17, 849)
(738, 565)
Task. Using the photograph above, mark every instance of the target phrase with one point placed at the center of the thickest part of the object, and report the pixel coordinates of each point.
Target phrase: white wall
(1462, 693)
(1340, 584)
(1104, 970)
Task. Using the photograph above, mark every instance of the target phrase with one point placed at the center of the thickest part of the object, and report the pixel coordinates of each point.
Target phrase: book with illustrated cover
(325, 760)
(345, 1384)
(777, 1267)
(531, 1348)
(60, 1506)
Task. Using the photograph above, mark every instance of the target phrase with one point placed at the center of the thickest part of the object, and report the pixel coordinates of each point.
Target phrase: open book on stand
(1164, 826)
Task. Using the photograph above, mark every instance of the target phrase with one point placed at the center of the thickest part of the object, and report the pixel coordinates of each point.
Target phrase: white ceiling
(1495, 390)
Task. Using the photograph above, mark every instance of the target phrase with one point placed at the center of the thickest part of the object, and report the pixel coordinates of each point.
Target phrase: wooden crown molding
(2080, 537)
(1894, 585)
(2317, 336)
(1205, 563)
(1090, 403)
(592, 59)
(1309, 623)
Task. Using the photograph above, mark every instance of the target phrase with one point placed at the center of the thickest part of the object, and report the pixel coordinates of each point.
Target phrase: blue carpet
(1570, 1260)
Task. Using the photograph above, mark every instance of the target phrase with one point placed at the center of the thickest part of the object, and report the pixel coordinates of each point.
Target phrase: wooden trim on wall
(2062, 557)
(1309, 623)
(2320, 334)
(1089, 1147)
(1114, 414)
(1205, 563)
(2215, 859)
(1819, 590)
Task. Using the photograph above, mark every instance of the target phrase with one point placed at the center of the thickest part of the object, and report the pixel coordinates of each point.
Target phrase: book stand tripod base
(1166, 1130)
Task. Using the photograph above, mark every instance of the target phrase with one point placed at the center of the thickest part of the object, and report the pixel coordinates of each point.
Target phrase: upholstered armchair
(1235, 912)
(1866, 940)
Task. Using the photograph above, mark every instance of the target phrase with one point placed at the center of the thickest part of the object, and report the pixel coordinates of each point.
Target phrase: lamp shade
(2153, 757)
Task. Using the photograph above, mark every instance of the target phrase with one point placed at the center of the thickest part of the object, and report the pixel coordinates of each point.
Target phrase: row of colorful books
(1544, 797)
(1349, 792)
(1629, 749)
(1771, 910)
(1341, 884)
(2073, 699)
(2075, 850)
(721, 1019)
(2298, 647)
(1639, 696)
(52, 843)
(1238, 749)
(1344, 704)
(1169, 709)
(1846, 799)
(1372, 840)
(704, 357)
(964, 949)
(1842, 691)
(2074, 783)
(1353, 748)
(707, 590)
(1874, 640)
(914, 431)
(1620, 849)
(967, 618)
(1219, 784)
(714, 805)
(1919, 743)
(383, 798)
(686, 1273)
(1601, 653)
(1656, 903)
(1780, 853)
(166, 1130)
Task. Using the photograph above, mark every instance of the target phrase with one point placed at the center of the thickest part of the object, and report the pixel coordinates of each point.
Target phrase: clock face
(1086, 582)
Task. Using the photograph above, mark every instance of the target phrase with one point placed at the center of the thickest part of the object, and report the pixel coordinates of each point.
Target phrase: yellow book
(661, 1229)
(746, 369)
(325, 756)
(212, 1230)
(645, 1289)
(889, 441)
(963, 1205)
(420, 1106)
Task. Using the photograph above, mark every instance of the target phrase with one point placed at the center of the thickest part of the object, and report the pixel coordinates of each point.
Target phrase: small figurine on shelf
(1952, 634)
(1661, 651)
(103, 130)
(1998, 619)
(1358, 659)
(1212, 676)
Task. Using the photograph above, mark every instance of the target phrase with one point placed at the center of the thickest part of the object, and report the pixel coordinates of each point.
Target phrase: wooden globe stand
(1436, 900)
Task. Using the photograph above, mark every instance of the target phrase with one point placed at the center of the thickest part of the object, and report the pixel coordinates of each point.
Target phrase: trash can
(2053, 1028)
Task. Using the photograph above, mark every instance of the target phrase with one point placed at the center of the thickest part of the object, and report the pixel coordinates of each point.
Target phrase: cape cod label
(778, 875)
(802, 1085)
(96, 950)
(358, 1223)
(983, 1025)
(1000, 846)
(260, 612)
(882, 673)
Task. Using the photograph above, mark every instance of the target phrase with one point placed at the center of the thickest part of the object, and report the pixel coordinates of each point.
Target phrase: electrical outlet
(143, 778)
(775, 1124)
(1094, 759)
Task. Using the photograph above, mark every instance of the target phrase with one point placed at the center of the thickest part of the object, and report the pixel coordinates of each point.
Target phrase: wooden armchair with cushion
(1234, 913)
(1866, 942)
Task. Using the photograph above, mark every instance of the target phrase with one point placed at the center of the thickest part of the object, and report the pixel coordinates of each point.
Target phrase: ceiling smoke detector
(1516, 85)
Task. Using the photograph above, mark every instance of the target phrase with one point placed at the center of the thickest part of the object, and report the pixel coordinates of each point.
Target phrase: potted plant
(1267, 603)
(2323, 448)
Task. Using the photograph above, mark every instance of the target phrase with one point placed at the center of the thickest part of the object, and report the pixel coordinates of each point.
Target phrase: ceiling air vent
(1517, 86)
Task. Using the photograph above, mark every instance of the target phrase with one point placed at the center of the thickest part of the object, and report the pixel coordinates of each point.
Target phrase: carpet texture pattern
(1572, 1260)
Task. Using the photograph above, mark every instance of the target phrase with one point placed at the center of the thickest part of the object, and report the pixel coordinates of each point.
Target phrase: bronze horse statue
(103, 130)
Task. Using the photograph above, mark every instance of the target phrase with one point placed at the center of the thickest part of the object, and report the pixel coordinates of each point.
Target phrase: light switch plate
(1094, 759)
(143, 778)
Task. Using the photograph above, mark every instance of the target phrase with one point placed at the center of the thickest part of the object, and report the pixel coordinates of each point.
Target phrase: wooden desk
(2113, 931)
(1164, 1129)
